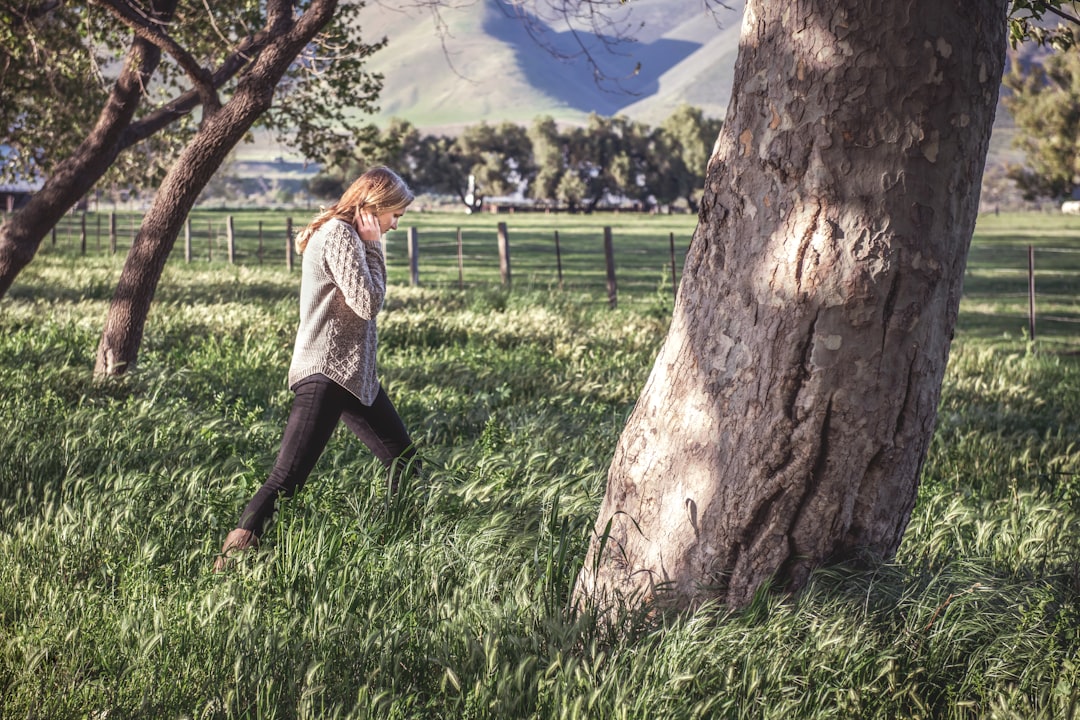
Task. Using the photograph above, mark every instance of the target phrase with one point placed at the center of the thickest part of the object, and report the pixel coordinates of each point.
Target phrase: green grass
(641, 243)
(995, 301)
(447, 602)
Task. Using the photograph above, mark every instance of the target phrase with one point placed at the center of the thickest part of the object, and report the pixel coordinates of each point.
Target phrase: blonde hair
(378, 190)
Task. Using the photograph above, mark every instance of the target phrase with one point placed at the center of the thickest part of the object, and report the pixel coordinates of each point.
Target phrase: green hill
(479, 61)
(484, 64)
(491, 65)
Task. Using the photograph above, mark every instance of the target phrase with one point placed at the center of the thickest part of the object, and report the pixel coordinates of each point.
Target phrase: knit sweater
(341, 291)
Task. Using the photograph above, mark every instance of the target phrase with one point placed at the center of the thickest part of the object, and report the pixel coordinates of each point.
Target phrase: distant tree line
(608, 160)
(1044, 100)
(1042, 93)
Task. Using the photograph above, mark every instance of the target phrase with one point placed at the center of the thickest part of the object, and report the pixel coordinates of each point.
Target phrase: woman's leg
(315, 413)
(380, 428)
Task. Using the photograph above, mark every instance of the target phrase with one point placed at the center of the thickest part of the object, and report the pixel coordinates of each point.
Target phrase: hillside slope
(476, 61)
(487, 65)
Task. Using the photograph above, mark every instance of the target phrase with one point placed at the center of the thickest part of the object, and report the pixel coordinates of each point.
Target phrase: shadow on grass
(990, 326)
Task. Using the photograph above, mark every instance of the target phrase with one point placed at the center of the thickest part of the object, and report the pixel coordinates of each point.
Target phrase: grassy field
(447, 602)
(642, 246)
(995, 303)
(996, 285)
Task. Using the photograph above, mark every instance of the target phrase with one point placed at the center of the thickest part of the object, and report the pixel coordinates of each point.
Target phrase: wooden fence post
(187, 240)
(54, 236)
(97, 236)
(1031, 291)
(414, 257)
(460, 263)
(609, 255)
(112, 233)
(288, 244)
(260, 243)
(230, 239)
(558, 258)
(504, 254)
(82, 232)
(674, 280)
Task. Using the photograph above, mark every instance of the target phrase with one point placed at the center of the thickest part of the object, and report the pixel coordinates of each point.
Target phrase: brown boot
(236, 542)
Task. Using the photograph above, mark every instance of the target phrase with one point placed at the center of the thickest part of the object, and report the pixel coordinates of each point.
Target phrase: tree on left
(161, 93)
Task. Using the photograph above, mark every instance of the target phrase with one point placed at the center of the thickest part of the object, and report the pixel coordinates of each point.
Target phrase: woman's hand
(367, 225)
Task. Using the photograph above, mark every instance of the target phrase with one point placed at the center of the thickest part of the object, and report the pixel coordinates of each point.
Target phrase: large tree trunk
(22, 233)
(789, 412)
(217, 136)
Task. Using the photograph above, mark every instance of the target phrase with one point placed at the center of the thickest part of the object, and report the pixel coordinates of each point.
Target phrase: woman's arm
(357, 268)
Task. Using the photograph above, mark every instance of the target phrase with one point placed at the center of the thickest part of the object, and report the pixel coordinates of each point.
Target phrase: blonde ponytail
(302, 237)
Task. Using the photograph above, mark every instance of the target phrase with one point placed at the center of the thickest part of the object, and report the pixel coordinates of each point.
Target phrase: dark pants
(318, 406)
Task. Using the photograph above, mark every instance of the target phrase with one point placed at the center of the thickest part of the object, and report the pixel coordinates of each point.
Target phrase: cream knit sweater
(341, 292)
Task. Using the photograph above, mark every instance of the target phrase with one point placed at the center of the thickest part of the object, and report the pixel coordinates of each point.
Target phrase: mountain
(483, 60)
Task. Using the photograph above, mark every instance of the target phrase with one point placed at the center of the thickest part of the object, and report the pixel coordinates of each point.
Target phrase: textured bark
(789, 412)
(217, 136)
(22, 233)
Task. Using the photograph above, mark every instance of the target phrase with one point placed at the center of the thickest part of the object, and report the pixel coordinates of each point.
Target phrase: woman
(333, 362)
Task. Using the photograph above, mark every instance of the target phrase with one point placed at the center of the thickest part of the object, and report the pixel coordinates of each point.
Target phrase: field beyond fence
(451, 249)
(1023, 271)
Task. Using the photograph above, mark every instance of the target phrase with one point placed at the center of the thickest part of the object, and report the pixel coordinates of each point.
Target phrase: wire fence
(612, 264)
(1008, 285)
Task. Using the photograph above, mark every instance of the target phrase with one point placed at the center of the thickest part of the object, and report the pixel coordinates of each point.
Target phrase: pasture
(448, 601)
(996, 285)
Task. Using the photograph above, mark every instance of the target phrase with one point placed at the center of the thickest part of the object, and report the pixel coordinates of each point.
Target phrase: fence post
(504, 254)
(187, 240)
(82, 232)
(558, 258)
(260, 243)
(609, 255)
(209, 241)
(460, 263)
(230, 239)
(288, 244)
(97, 220)
(414, 256)
(674, 280)
(112, 232)
(1031, 291)
(54, 236)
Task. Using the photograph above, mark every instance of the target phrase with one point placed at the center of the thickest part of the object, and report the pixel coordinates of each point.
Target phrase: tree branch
(182, 105)
(1064, 15)
(148, 29)
(278, 15)
(32, 12)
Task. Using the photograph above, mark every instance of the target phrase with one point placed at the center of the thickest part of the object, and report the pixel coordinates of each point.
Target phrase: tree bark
(22, 233)
(217, 136)
(789, 412)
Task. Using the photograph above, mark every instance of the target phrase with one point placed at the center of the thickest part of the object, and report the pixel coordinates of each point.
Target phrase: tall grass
(449, 599)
